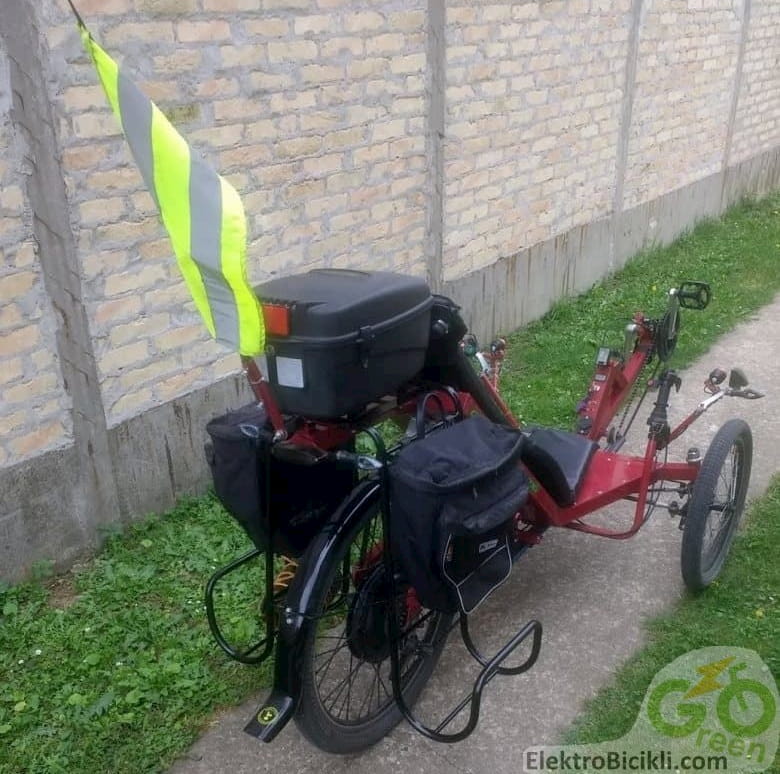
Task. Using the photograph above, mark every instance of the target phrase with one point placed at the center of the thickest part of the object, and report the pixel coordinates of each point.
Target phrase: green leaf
(20, 706)
(5, 728)
(146, 543)
(92, 659)
(11, 607)
(76, 700)
(102, 704)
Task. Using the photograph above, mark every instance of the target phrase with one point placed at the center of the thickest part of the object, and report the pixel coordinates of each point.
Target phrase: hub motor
(368, 632)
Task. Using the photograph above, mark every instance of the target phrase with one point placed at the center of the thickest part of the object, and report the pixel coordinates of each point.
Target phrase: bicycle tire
(702, 563)
(317, 721)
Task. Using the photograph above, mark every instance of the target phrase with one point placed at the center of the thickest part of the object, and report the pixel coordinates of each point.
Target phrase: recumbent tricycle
(389, 545)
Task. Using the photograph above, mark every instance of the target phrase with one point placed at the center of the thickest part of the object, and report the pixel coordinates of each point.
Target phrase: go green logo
(732, 705)
(721, 700)
(713, 709)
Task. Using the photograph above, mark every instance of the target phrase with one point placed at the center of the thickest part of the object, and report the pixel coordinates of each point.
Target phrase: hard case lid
(328, 303)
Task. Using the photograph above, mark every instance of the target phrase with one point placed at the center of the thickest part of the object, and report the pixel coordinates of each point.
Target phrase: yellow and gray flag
(201, 211)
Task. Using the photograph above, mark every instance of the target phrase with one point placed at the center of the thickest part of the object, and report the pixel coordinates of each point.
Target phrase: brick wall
(533, 113)
(757, 123)
(685, 79)
(34, 409)
(441, 138)
(314, 110)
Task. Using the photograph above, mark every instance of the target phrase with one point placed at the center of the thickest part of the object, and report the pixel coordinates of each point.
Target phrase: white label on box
(289, 372)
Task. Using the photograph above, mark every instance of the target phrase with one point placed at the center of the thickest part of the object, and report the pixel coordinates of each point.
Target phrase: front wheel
(347, 700)
(716, 504)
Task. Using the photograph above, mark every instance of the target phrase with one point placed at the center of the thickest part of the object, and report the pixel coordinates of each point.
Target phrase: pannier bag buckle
(365, 341)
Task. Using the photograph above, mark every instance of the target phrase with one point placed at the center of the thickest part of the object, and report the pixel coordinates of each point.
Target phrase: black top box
(354, 336)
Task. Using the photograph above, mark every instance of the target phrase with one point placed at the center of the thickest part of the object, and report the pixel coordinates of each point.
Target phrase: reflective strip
(135, 111)
(201, 211)
(171, 156)
(206, 246)
(234, 270)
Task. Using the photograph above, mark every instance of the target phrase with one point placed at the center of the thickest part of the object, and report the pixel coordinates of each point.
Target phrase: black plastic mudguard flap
(271, 717)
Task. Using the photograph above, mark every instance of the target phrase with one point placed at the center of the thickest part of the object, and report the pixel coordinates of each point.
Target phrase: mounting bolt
(693, 457)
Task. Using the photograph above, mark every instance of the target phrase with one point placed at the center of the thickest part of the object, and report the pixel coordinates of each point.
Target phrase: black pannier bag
(454, 495)
(247, 478)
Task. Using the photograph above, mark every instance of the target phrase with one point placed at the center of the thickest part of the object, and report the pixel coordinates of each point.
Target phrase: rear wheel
(347, 697)
(716, 504)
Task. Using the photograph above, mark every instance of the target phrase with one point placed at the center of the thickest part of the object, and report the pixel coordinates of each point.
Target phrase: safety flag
(201, 211)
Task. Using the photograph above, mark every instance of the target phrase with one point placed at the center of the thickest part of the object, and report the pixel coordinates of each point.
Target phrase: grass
(741, 608)
(550, 359)
(111, 668)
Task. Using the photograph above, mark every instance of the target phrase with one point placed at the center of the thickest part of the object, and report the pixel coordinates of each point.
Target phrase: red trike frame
(610, 476)
(596, 474)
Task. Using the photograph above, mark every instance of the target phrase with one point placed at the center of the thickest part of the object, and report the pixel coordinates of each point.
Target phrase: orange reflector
(277, 319)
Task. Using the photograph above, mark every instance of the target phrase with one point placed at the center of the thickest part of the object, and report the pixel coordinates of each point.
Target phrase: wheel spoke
(717, 528)
(339, 687)
(716, 504)
(388, 693)
(348, 671)
(353, 674)
(322, 653)
(352, 698)
(366, 698)
(327, 664)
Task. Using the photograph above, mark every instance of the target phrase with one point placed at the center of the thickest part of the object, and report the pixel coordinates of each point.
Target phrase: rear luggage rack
(490, 668)
(265, 645)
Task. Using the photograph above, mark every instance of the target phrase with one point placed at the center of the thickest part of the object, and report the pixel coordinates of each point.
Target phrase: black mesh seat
(558, 460)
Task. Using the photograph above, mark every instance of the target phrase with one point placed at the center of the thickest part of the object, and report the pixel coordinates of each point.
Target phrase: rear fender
(297, 617)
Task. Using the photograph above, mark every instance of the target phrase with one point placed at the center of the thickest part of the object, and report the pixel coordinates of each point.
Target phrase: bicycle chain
(640, 383)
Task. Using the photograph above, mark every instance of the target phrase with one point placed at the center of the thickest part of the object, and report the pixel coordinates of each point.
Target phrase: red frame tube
(612, 384)
(263, 393)
(610, 477)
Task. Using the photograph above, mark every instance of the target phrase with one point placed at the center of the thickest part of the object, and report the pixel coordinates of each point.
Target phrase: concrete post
(434, 140)
(735, 92)
(629, 90)
(94, 491)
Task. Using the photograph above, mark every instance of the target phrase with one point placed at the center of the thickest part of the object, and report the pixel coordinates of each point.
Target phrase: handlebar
(737, 386)
(748, 393)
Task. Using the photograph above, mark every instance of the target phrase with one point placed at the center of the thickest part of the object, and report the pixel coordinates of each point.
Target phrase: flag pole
(77, 15)
(262, 391)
